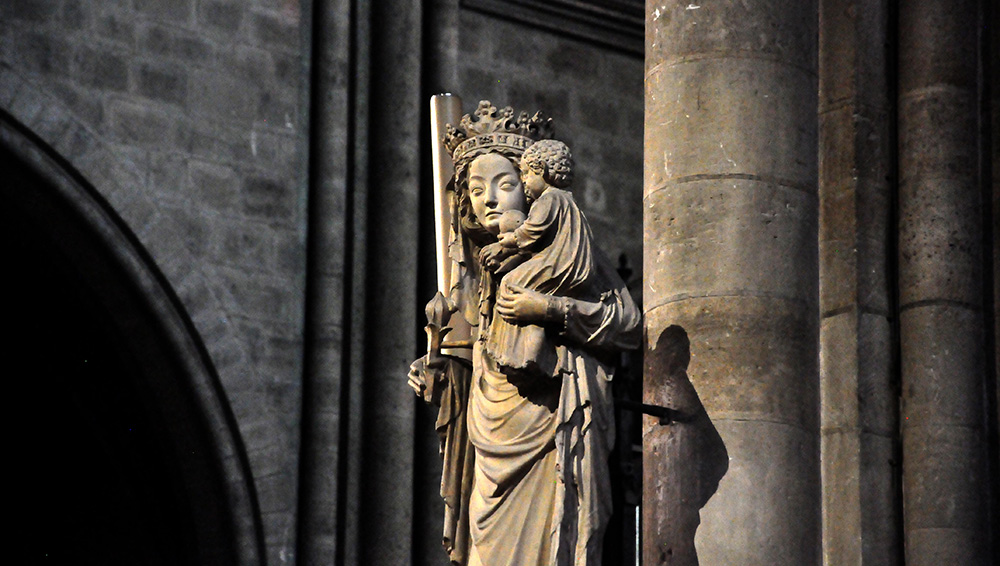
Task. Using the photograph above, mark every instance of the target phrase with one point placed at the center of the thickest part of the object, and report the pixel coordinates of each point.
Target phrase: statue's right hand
(415, 379)
(491, 255)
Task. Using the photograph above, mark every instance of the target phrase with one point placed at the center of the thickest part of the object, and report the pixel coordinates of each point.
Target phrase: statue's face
(534, 182)
(494, 188)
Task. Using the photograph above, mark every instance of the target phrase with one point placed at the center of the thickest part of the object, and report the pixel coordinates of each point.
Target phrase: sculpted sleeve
(613, 322)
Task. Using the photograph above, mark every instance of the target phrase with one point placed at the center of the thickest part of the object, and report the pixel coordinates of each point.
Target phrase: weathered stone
(168, 84)
(730, 257)
(762, 233)
(693, 98)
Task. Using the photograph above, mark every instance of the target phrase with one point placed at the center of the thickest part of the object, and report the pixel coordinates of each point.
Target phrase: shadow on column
(683, 461)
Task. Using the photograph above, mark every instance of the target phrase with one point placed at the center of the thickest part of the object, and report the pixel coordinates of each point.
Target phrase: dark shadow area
(683, 462)
(91, 481)
(122, 447)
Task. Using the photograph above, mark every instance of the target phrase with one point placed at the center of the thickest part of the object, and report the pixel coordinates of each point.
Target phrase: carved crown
(492, 127)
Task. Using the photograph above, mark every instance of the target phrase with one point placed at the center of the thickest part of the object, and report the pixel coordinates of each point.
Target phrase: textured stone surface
(730, 226)
(764, 513)
(139, 98)
(941, 286)
(861, 514)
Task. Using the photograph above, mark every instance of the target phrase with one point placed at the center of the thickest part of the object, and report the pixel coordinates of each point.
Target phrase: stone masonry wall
(186, 115)
(595, 97)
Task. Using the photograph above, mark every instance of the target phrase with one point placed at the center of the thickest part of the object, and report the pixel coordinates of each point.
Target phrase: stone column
(941, 292)
(326, 383)
(730, 257)
(861, 516)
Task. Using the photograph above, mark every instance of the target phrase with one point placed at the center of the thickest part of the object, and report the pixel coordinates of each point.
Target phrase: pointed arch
(199, 444)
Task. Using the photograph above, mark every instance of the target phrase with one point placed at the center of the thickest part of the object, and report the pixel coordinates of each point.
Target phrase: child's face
(533, 181)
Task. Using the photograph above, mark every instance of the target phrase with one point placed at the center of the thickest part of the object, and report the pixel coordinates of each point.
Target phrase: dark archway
(123, 448)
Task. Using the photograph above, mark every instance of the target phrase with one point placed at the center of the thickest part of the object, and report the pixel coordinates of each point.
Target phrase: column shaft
(941, 290)
(730, 257)
(859, 416)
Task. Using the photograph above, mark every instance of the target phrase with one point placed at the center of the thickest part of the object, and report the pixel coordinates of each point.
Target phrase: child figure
(558, 239)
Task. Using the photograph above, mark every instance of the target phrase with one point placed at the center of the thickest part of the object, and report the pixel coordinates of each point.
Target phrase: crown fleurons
(492, 127)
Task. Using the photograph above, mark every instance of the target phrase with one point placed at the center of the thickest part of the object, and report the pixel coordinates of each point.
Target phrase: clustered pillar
(904, 317)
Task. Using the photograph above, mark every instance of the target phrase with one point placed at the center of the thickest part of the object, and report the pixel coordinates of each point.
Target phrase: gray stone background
(271, 157)
(191, 117)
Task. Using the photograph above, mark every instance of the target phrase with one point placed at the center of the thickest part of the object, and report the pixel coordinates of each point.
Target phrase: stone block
(877, 393)
(116, 27)
(85, 104)
(268, 199)
(940, 241)
(945, 478)
(214, 186)
(872, 65)
(941, 348)
(222, 97)
(41, 53)
(730, 117)
(277, 108)
(838, 249)
(874, 143)
(162, 82)
(224, 16)
(951, 151)
(247, 62)
(939, 40)
(74, 14)
(174, 43)
(244, 244)
(139, 124)
(842, 504)
(101, 68)
(685, 30)
(275, 30)
(36, 11)
(838, 160)
(874, 232)
(168, 174)
(766, 506)
(838, 53)
(752, 358)
(729, 237)
(179, 11)
(881, 513)
(933, 547)
(839, 372)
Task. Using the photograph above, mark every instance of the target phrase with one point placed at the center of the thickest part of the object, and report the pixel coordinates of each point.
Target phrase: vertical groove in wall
(392, 232)
(356, 286)
(989, 45)
(892, 86)
(329, 332)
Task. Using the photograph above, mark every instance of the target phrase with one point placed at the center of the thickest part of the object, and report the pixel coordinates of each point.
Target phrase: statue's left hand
(518, 304)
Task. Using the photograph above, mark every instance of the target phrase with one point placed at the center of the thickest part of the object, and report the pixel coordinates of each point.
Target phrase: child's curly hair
(553, 159)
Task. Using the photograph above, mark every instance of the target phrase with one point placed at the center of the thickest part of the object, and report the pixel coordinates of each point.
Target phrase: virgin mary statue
(525, 479)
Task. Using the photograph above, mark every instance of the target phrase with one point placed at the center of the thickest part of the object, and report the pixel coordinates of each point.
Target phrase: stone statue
(526, 417)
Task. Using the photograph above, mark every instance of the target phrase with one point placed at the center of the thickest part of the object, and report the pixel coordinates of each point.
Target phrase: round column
(730, 259)
(941, 284)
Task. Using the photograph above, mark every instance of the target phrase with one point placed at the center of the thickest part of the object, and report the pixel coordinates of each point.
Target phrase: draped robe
(540, 492)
